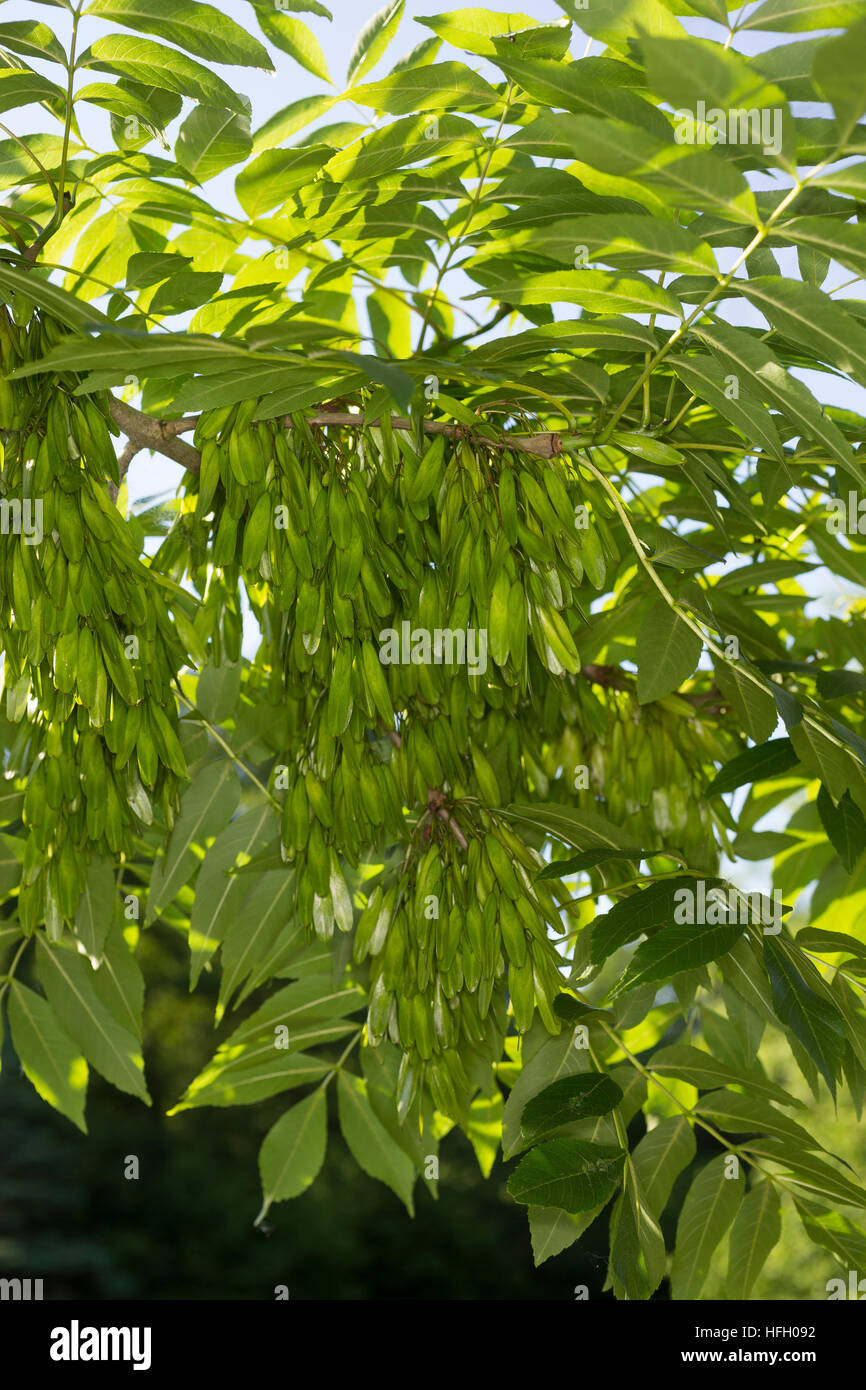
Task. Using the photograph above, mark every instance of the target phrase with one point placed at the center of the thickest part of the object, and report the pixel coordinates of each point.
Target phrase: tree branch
(145, 432)
(161, 435)
(615, 678)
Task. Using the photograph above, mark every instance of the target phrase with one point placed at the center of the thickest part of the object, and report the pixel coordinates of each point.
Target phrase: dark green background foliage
(184, 1229)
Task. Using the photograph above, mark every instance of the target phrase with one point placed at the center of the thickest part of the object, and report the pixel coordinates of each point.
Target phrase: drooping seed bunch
(641, 765)
(421, 608)
(85, 634)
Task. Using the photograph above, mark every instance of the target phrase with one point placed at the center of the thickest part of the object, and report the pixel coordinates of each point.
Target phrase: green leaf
(290, 119)
(667, 652)
(273, 175)
(555, 1058)
(851, 179)
(391, 324)
(81, 318)
(801, 16)
(473, 30)
(845, 827)
(148, 268)
(245, 1085)
(837, 240)
(567, 1173)
(809, 1172)
(574, 826)
(676, 948)
(437, 87)
(397, 382)
(588, 859)
(633, 915)
(706, 182)
(218, 897)
(637, 1247)
(153, 65)
(32, 40)
(206, 806)
(48, 1055)
(253, 932)
(835, 1232)
(747, 1114)
(68, 981)
(20, 88)
(584, 88)
(96, 908)
(829, 943)
(152, 108)
(753, 705)
(188, 290)
(764, 761)
(688, 70)
(833, 684)
(295, 38)
(293, 1150)
(701, 1070)
(659, 1158)
(710, 1206)
(373, 39)
(601, 291)
(212, 139)
(11, 859)
(570, 1098)
(756, 1230)
(838, 74)
(812, 1019)
(119, 982)
(707, 379)
(811, 320)
(369, 1142)
(420, 56)
(552, 1230)
(629, 242)
(306, 1002)
(484, 1129)
(295, 7)
(619, 22)
(750, 357)
(198, 28)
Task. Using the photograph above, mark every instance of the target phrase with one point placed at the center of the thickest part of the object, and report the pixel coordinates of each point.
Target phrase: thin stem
(27, 150)
(648, 1076)
(680, 413)
(760, 235)
(215, 733)
(350, 1046)
(321, 1087)
(107, 285)
(67, 129)
(16, 235)
(708, 642)
(11, 971)
(473, 208)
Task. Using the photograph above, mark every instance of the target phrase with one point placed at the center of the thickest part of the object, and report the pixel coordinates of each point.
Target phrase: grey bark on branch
(146, 432)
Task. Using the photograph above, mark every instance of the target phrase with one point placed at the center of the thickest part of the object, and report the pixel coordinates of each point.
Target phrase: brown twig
(161, 435)
(615, 678)
(124, 459)
(147, 433)
(449, 820)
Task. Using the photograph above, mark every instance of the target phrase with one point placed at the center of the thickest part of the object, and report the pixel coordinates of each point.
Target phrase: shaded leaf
(48, 1055)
